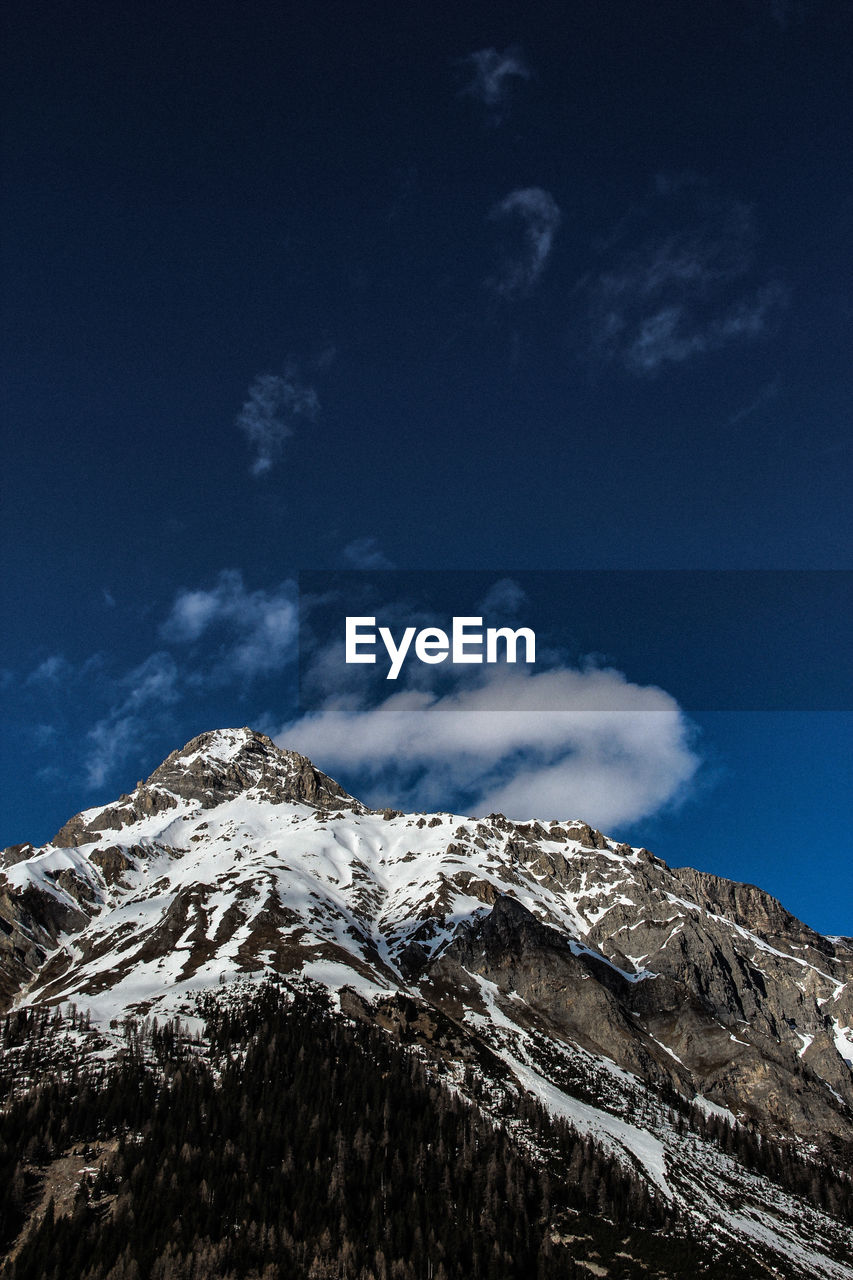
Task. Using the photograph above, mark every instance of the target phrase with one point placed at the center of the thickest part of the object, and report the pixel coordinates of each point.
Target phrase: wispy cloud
(677, 281)
(52, 670)
(505, 597)
(674, 333)
(221, 638)
(491, 76)
(275, 403)
(143, 693)
(536, 214)
(366, 553)
(44, 735)
(613, 753)
(223, 635)
(254, 632)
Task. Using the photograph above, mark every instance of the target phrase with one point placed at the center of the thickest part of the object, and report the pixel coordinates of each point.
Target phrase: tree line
(288, 1143)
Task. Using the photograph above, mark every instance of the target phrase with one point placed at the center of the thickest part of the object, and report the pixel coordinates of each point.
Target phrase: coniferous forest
(288, 1142)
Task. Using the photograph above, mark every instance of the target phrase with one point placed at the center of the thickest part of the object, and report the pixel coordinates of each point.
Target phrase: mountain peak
(221, 744)
(217, 753)
(551, 945)
(222, 763)
(213, 767)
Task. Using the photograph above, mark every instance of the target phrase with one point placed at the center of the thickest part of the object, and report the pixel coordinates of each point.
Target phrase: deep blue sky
(295, 286)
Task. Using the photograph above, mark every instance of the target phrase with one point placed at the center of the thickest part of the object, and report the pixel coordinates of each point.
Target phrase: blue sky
(531, 287)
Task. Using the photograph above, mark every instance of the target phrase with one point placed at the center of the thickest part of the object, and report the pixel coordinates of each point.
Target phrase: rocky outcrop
(211, 768)
(15, 853)
(30, 926)
(688, 982)
(562, 988)
(660, 1028)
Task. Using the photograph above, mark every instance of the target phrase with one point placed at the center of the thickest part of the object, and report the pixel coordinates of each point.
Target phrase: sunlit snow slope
(571, 957)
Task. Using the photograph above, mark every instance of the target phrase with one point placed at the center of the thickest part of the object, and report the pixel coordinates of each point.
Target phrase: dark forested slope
(292, 1143)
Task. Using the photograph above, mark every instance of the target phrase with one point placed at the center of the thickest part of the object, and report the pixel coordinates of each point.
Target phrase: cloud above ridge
(561, 743)
(140, 695)
(212, 638)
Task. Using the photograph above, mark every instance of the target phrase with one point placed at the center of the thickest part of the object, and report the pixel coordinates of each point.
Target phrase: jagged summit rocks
(222, 764)
(544, 947)
(215, 766)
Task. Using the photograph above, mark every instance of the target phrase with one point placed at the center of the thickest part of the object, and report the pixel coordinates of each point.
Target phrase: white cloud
(560, 743)
(676, 284)
(492, 75)
(539, 217)
(275, 402)
(194, 611)
(221, 637)
(255, 630)
(366, 553)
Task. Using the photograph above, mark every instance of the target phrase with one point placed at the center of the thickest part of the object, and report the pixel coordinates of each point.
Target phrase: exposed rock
(15, 853)
(203, 772)
(516, 952)
(689, 982)
(30, 926)
(113, 862)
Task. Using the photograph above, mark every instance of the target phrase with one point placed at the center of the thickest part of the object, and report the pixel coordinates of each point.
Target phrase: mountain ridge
(582, 965)
(592, 882)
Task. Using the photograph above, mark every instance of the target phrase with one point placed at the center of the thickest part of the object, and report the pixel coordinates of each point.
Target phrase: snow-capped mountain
(589, 972)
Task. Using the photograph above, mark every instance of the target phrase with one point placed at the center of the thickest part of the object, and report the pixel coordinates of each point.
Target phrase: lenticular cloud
(560, 743)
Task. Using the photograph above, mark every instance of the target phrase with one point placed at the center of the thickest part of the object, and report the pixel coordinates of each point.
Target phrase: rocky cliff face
(557, 952)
